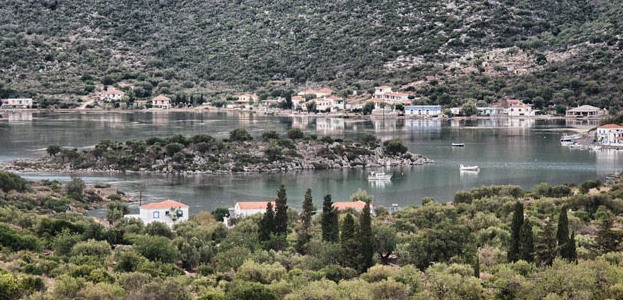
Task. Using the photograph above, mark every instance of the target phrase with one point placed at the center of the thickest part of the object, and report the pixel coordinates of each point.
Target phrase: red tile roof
(358, 205)
(607, 126)
(161, 98)
(164, 204)
(254, 205)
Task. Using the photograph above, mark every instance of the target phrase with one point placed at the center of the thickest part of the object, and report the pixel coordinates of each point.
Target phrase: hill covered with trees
(562, 52)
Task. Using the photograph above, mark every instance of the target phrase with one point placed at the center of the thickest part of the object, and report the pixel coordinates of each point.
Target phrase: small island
(240, 153)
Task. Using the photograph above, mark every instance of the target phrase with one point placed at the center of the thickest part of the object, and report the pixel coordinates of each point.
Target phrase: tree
(469, 108)
(295, 134)
(385, 239)
(220, 212)
(270, 135)
(607, 240)
(395, 147)
(568, 251)
(267, 224)
(239, 135)
(513, 251)
(329, 221)
(368, 108)
(526, 241)
(75, 188)
(11, 181)
(245, 290)
(306, 218)
(281, 212)
(361, 195)
(562, 232)
(348, 242)
(370, 140)
(156, 248)
(366, 249)
(115, 211)
(53, 150)
(546, 248)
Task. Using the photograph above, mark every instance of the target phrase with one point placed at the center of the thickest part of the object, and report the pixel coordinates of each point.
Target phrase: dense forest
(496, 242)
(549, 53)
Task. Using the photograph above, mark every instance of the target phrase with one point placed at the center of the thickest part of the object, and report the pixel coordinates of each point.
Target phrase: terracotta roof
(298, 98)
(164, 204)
(161, 98)
(254, 205)
(325, 90)
(358, 205)
(334, 98)
(607, 126)
(585, 108)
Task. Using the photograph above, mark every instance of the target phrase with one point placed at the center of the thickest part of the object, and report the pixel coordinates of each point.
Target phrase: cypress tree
(281, 212)
(562, 233)
(607, 241)
(513, 251)
(526, 242)
(329, 221)
(568, 252)
(267, 224)
(366, 249)
(546, 249)
(348, 242)
(306, 218)
(477, 266)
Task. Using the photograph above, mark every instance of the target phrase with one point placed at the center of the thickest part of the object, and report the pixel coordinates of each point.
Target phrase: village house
(161, 101)
(423, 110)
(610, 135)
(245, 209)
(111, 94)
(487, 111)
(248, 98)
(297, 103)
(356, 205)
(331, 103)
(13, 103)
(168, 212)
(515, 108)
(381, 90)
(585, 111)
(323, 92)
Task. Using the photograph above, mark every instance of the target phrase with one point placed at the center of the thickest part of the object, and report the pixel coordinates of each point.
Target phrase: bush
(239, 135)
(15, 241)
(156, 248)
(394, 147)
(10, 181)
(249, 291)
(295, 134)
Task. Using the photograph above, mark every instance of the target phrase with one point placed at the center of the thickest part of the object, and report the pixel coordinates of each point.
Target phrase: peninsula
(240, 153)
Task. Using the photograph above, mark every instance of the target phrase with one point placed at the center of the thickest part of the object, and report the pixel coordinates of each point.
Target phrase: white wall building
(245, 209)
(17, 103)
(161, 101)
(169, 212)
(111, 94)
(610, 135)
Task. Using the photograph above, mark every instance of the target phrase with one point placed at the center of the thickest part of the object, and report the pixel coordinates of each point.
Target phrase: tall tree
(306, 218)
(526, 241)
(568, 251)
(607, 240)
(329, 220)
(546, 248)
(513, 251)
(348, 242)
(366, 249)
(281, 212)
(384, 242)
(267, 224)
(562, 233)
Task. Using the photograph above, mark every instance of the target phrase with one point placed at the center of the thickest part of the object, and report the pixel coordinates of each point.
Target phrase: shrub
(295, 134)
(10, 181)
(239, 135)
(394, 147)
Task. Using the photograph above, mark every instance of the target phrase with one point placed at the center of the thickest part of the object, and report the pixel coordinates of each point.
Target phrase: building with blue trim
(423, 110)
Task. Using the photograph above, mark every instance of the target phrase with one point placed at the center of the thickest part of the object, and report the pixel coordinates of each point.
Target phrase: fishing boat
(568, 140)
(469, 168)
(379, 176)
(458, 144)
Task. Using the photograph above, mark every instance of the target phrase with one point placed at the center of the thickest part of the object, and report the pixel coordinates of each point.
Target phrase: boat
(458, 144)
(469, 168)
(567, 140)
(379, 176)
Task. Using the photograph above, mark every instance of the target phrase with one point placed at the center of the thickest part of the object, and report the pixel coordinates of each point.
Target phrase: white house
(331, 103)
(297, 102)
(323, 92)
(610, 135)
(520, 110)
(168, 212)
(161, 101)
(111, 94)
(585, 111)
(245, 209)
(381, 90)
(17, 103)
(423, 110)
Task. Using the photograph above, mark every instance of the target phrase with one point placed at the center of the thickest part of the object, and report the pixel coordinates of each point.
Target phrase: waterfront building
(245, 209)
(168, 212)
(112, 94)
(323, 92)
(585, 111)
(13, 103)
(423, 110)
(610, 135)
(161, 101)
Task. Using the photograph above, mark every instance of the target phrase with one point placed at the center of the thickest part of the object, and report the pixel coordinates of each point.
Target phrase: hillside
(59, 48)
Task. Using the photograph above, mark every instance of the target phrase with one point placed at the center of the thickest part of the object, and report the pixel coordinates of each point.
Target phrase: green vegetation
(432, 251)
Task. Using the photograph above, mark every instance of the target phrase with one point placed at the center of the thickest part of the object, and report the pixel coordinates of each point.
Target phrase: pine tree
(546, 249)
(513, 251)
(568, 252)
(348, 242)
(562, 233)
(329, 221)
(366, 249)
(281, 212)
(267, 224)
(526, 242)
(306, 217)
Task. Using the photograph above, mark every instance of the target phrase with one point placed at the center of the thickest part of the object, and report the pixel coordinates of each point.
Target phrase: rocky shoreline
(229, 157)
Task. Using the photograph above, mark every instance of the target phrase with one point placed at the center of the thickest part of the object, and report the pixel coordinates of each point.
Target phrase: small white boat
(379, 176)
(458, 144)
(469, 168)
(567, 140)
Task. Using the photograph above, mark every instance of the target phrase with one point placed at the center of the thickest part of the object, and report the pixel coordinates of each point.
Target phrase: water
(521, 152)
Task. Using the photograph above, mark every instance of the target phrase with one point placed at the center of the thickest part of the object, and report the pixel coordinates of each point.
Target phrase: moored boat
(379, 176)
(567, 140)
(458, 144)
(469, 168)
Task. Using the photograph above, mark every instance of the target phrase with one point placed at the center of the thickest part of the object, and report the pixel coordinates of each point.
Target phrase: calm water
(508, 151)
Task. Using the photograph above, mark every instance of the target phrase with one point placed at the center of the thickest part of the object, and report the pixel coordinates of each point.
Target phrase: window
(156, 215)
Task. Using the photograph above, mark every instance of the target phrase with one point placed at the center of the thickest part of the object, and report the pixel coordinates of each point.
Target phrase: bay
(520, 152)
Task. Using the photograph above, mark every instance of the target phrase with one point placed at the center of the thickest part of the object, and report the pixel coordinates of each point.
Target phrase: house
(111, 94)
(381, 90)
(423, 110)
(585, 111)
(161, 101)
(168, 212)
(323, 92)
(16, 103)
(356, 205)
(297, 102)
(396, 98)
(610, 135)
(245, 209)
(331, 103)
(248, 98)
(487, 111)
(520, 110)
